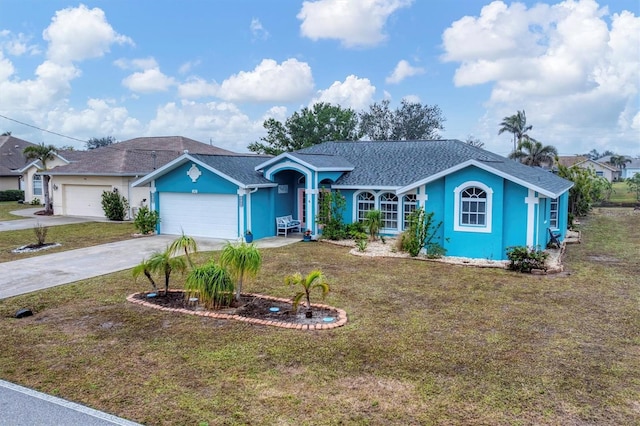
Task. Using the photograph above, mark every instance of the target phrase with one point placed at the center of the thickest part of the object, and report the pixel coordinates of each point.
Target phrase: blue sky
(215, 70)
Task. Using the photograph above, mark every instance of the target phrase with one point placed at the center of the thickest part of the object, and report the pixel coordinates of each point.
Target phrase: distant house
(78, 178)
(631, 168)
(485, 202)
(11, 160)
(603, 169)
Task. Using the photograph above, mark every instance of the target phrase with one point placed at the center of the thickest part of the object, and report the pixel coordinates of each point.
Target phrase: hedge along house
(485, 202)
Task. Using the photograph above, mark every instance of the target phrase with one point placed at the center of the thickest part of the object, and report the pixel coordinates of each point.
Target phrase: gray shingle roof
(323, 161)
(137, 156)
(11, 156)
(398, 164)
(237, 167)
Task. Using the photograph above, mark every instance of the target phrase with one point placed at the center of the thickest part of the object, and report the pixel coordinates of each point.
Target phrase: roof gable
(11, 155)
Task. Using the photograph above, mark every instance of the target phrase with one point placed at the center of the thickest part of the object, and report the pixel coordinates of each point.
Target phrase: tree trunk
(48, 208)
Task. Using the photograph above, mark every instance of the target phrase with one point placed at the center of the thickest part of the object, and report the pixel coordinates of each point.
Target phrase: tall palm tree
(517, 125)
(532, 153)
(184, 243)
(619, 161)
(43, 153)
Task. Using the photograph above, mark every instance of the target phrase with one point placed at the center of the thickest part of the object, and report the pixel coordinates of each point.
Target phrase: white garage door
(84, 200)
(199, 215)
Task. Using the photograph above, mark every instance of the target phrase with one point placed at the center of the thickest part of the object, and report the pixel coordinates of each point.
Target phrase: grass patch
(8, 206)
(426, 343)
(622, 194)
(69, 236)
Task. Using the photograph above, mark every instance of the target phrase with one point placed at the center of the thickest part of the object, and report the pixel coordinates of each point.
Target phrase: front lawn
(426, 343)
(70, 237)
(622, 194)
(8, 206)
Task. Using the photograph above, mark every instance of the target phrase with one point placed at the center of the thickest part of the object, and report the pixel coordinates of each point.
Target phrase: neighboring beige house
(607, 171)
(77, 184)
(11, 160)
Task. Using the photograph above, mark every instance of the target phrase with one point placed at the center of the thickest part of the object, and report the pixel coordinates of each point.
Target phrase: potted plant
(248, 236)
(307, 235)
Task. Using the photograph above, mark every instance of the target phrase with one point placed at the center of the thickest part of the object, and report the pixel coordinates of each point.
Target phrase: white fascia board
(263, 185)
(485, 167)
(295, 159)
(63, 159)
(34, 163)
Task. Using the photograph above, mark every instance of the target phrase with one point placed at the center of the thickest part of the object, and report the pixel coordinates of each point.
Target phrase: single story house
(11, 160)
(78, 178)
(485, 202)
(631, 169)
(605, 170)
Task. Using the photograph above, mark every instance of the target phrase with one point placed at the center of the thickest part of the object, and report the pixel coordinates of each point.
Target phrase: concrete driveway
(30, 220)
(50, 270)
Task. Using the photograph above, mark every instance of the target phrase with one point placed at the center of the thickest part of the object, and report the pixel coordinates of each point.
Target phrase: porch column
(531, 200)
(241, 210)
(308, 195)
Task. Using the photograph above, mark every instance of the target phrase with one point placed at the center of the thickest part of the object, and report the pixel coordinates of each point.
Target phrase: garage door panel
(84, 200)
(199, 215)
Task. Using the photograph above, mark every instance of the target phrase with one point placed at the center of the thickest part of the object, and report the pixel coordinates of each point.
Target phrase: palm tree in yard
(184, 243)
(619, 161)
(243, 260)
(517, 125)
(43, 153)
(164, 263)
(532, 153)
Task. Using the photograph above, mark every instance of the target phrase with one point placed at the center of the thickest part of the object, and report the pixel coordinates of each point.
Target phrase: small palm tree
(164, 263)
(143, 268)
(373, 222)
(532, 153)
(243, 260)
(43, 153)
(184, 243)
(315, 279)
(517, 125)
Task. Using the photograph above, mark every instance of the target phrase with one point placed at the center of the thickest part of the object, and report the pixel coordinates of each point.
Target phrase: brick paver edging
(340, 321)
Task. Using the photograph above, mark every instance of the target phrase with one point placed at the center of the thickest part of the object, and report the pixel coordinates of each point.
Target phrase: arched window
(389, 209)
(474, 207)
(409, 205)
(366, 202)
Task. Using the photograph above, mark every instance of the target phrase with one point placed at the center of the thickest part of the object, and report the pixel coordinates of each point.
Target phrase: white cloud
(188, 66)
(222, 123)
(269, 82)
(80, 33)
(354, 22)
(402, 71)
(148, 81)
(258, 30)
(101, 118)
(196, 87)
(414, 99)
(356, 93)
(574, 74)
(136, 64)
(16, 45)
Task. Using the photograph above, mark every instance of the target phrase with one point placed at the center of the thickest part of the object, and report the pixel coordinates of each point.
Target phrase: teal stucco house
(486, 202)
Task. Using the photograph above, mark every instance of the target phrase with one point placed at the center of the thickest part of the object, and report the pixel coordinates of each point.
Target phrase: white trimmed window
(37, 184)
(409, 205)
(366, 202)
(553, 213)
(472, 207)
(389, 209)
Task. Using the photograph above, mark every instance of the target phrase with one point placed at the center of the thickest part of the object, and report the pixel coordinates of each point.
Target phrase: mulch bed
(258, 307)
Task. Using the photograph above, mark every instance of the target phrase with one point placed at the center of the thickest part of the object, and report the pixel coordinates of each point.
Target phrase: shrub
(41, 232)
(361, 243)
(330, 210)
(373, 223)
(114, 205)
(212, 284)
(12, 195)
(146, 220)
(35, 201)
(422, 233)
(524, 259)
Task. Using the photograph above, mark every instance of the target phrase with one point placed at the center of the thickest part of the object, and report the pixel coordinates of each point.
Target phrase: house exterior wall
(263, 218)
(600, 170)
(10, 182)
(514, 226)
(630, 172)
(134, 196)
(468, 242)
(27, 180)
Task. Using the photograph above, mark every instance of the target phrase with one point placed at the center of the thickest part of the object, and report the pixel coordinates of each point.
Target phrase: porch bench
(284, 224)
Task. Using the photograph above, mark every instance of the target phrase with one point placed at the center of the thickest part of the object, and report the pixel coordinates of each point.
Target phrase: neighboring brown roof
(137, 156)
(11, 156)
(570, 160)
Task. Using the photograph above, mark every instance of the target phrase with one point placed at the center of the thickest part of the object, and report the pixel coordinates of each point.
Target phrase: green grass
(426, 343)
(69, 236)
(622, 194)
(8, 206)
